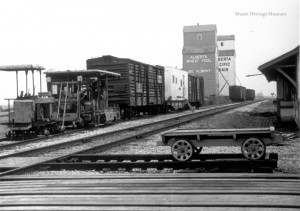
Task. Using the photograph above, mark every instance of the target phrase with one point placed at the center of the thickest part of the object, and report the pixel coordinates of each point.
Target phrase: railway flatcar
(140, 89)
(176, 89)
(196, 90)
(81, 97)
(237, 93)
(250, 94)
(31, 113)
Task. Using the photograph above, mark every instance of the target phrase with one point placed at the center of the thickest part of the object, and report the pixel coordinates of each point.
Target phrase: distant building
(200, 55)
(285, 70)
(226, 63)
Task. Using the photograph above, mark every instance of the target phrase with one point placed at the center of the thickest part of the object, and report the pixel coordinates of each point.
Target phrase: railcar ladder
(189, 105)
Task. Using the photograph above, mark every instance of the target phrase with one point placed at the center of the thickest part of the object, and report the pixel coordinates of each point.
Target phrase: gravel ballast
(238, 118)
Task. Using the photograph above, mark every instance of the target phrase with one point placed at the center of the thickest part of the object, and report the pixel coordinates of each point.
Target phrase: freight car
(196, 90)
(31, 113)
(250, 94)
(140, 89)
(237, 93)
(80, 97)
(176, 89)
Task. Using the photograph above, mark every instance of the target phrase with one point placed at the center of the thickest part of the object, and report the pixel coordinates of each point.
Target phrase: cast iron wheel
(182, 150)
(102, 119)
(253, 148)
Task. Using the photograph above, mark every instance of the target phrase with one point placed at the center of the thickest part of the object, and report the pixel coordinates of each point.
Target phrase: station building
(226, 63)
(285, 70)
(200, 55)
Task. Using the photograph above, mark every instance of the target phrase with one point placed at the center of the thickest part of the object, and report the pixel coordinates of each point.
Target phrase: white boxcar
(176, 88)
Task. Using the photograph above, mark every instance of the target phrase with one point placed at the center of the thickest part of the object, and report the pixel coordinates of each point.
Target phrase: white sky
(63, 34)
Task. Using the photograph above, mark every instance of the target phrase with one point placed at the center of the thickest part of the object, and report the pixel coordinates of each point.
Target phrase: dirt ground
(259, 115)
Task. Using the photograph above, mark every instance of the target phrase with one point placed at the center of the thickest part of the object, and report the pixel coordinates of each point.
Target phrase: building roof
(200, 28)
(286, 61)
(204, 49)
(226, 52)
(86, 73)
(21, 67)
(225, 37)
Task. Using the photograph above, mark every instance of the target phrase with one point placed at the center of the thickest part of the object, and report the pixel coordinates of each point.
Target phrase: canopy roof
(21, 67)
(286, 61)
(85, 73)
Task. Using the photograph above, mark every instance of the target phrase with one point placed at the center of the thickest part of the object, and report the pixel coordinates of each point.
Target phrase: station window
(222, 44)
(199, 36)
(173, 79)
(180, 82)
(176, 80)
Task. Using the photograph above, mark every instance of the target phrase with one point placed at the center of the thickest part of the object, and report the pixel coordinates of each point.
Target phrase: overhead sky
(63, 34)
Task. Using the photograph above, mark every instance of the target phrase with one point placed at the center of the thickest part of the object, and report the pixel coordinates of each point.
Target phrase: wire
(239, 80)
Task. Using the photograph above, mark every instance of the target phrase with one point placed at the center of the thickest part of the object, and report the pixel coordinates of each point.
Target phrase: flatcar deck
(152, 192)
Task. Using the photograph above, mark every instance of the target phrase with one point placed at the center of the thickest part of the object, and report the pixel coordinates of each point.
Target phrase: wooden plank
(133, 208)
(167, 176)
(151, 192)
(157, 200)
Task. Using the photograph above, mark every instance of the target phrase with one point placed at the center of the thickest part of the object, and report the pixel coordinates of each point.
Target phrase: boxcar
(250, 94)
(237, 93)
(196, 90)
(176, 88)
(141, 88)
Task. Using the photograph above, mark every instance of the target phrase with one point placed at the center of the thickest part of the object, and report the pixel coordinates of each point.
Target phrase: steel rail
(102, 147)
(91, 138)
(159, 162)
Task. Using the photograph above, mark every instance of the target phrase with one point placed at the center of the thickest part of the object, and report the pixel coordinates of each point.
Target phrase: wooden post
(40, 80)
(33, 91)
(8, 110)
(26, 91)
(17, 83)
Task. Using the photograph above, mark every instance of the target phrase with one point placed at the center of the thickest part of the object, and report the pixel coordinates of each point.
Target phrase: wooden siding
(140, 84)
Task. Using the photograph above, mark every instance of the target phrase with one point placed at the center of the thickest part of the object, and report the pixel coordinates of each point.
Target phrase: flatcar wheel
(198, 150)
(253, 148)
(182, 150)
(9, 134)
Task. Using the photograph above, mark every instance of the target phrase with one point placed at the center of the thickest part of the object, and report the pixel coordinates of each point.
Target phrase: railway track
(204, 162)
(16, 148)
(96, 143)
